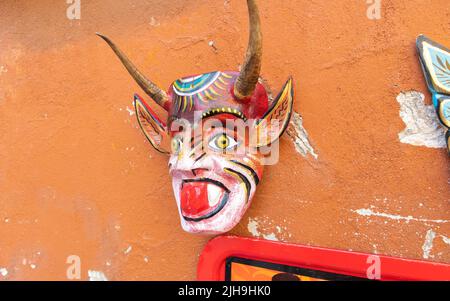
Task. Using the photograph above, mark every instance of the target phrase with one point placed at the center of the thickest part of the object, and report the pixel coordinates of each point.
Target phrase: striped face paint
(214, 179)
(217, 132)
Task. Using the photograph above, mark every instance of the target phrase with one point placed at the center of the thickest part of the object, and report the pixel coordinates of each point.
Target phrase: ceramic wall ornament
(435, 60)
(217, 133)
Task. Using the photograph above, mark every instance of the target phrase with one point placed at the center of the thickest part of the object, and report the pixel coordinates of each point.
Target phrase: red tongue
(194, 199)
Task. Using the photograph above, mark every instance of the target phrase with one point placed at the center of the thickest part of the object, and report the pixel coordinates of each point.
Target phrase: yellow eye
(222, 142)
(176, 145)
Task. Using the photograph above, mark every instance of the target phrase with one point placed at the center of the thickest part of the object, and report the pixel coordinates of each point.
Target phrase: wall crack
(300, 136)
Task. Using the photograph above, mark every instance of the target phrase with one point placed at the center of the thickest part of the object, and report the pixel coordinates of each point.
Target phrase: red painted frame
(211, 266)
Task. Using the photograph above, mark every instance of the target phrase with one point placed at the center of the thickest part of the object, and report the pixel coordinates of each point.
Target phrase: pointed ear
(153, 128)
(275, 122)
(435, 60)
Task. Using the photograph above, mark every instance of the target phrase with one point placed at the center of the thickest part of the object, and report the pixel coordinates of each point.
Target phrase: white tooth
(214, 193)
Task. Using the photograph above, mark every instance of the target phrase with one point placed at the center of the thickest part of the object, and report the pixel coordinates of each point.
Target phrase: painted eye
(222, 142)
(177, 143)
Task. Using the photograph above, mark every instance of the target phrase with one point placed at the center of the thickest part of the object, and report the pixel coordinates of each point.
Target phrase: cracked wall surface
(77, 177)
(300, 137)
(423, 127)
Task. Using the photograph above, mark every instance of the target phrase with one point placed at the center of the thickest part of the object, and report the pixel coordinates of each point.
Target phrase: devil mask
(221, 130)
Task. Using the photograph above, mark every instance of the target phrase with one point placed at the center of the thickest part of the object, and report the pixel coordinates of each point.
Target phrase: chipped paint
(422, 124)
(128, 250)
(300, 137)
(3, 272)
(428, 244)
(271, 236)
(445, 239)
(130, 111)
(370, 212)
(254, 226)
(154, 22)
(264, 228)
(96, 276)
(212, 44)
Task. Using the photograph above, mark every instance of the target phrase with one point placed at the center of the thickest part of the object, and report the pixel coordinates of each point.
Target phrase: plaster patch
(428, 244)
(263, 228)
(3, 272)
(96, 276)
(252, 227)
(370, 212)
(423, 127)
(130, 111)
(212, 44)
(154, 22)
(300, 137)
(445, 239)
(271, 236)
(128, 250)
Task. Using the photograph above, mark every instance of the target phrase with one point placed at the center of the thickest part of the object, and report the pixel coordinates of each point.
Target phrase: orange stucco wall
(78, 178)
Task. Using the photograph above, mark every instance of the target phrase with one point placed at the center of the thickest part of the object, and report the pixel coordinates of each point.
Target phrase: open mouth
(202, 199)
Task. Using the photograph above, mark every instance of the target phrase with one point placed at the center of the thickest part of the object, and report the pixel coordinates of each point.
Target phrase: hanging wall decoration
(435, 60)
(220, 130)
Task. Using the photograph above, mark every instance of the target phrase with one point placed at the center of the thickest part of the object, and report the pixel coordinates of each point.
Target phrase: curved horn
(148, 86)
(249, 76)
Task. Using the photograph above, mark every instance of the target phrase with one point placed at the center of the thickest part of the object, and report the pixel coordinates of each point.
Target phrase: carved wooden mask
(219, 129)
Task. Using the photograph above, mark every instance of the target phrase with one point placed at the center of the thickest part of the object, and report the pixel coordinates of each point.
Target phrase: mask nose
(188, 165)
(182, 163)
(199, 171)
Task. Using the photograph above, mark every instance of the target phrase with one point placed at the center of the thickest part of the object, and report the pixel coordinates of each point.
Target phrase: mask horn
(150, 88)
(246, 82)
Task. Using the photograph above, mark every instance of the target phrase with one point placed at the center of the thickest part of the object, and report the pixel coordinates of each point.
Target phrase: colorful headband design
(435, 60)
(213, 181)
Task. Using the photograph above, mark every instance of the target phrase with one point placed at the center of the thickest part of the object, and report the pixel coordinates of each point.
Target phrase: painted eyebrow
(214, 112)
(227, 125)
